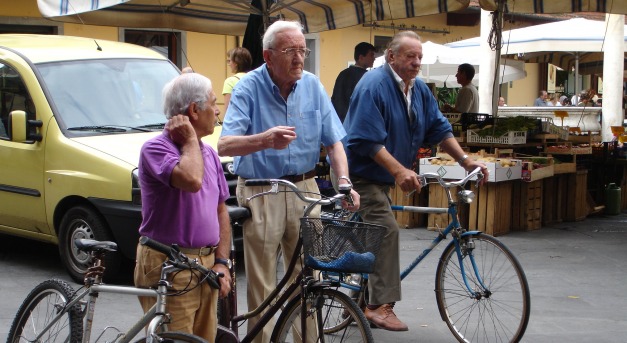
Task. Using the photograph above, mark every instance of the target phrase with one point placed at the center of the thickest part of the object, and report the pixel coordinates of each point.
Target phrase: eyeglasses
(293, 51)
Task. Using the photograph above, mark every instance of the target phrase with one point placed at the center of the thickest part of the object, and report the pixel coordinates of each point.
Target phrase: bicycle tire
(358, 331)
(176, 337)
(498, 314)
(358, 297)
(41, 305)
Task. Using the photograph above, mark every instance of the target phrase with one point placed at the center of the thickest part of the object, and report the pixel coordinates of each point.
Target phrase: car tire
(84, 222)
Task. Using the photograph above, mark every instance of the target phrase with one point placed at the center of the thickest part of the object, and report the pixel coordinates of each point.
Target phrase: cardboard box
(498, 173)
(454, 171)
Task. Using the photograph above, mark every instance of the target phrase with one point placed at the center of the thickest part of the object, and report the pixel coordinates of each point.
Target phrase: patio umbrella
(440, 62)
(558, 6)
(560, 43)
(229, 17)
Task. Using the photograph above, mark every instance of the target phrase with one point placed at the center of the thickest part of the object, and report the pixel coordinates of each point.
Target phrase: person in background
(564, 100)
(240, 62)
(183, 202)
(468, 97)
(541, 100)
(553, 101)
(347, 79)
(392, 113)
(279, 117)
(502, 101)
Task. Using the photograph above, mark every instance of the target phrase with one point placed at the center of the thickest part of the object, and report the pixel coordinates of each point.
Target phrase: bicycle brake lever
(273, 190)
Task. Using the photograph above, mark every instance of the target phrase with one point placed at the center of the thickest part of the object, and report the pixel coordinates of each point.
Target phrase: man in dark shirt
(348, 78)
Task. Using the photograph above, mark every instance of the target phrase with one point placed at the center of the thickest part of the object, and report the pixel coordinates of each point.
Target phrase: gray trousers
(384, 285)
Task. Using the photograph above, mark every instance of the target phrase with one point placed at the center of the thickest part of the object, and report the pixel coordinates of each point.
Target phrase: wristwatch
(225, 261)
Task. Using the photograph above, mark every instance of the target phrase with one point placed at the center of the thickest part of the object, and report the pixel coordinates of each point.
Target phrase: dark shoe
(385, 318)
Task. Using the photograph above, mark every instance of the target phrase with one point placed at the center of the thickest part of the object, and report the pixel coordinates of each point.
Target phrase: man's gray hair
(395, 43)
(277, 27)
(182, 91)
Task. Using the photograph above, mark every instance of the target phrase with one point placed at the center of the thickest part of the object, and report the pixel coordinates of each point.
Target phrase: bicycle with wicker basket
(481, 289)
(307, 299)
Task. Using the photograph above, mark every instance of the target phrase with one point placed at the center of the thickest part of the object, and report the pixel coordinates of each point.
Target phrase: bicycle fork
(464, 247)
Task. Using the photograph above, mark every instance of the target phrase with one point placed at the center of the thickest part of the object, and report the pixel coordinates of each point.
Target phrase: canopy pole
(613, 67)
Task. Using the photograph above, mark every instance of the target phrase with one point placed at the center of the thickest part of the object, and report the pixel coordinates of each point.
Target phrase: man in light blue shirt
(278, 117)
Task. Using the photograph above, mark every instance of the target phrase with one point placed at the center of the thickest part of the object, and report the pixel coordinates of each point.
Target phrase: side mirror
(19, 127)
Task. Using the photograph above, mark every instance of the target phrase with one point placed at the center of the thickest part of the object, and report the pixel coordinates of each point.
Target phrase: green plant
(446, 96)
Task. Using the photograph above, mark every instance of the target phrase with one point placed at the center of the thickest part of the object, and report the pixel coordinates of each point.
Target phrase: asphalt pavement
(577, 273)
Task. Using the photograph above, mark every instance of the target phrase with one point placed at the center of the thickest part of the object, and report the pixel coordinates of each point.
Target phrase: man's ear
(192, 111)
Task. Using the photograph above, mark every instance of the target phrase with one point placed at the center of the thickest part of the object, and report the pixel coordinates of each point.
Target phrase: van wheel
(84, 222)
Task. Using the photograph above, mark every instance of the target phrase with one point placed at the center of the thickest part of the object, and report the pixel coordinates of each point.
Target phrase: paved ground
(577, 272)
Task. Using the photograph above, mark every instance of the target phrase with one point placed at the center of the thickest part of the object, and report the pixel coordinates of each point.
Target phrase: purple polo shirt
(171, 215)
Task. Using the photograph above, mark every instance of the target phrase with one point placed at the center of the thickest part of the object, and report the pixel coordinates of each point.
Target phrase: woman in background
(240, 61)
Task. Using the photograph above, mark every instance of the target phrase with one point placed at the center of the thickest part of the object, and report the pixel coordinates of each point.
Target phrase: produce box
(502, 169)
(564, 167)
(577, 136)
(536, 168)
(442, 166)
(567, 148)
(510, 137)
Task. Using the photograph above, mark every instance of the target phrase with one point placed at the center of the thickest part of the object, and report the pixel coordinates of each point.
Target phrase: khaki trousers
(274, 225)
(194, 312)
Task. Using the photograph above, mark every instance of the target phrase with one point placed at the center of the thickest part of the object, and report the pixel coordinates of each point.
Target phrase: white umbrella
(439, 65)
(569, 44)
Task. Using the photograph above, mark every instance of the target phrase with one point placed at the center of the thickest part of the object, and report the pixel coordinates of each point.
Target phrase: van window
(13, 97)
(107, 96)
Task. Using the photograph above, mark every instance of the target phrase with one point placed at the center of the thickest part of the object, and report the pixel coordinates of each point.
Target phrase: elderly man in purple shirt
(183, 202)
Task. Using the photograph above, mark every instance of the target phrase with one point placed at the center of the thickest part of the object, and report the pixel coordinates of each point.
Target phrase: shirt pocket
(308, 126)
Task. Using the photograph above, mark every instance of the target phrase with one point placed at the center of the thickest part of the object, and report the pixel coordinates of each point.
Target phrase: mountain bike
(307, 299)
(55, 312)
(481, 289)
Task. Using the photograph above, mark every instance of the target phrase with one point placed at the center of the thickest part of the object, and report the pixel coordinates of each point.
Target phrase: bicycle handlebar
(449, 184)
(275, 189)
(181, 261)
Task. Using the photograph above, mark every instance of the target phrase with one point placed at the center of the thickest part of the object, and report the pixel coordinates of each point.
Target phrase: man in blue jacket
(391, 115)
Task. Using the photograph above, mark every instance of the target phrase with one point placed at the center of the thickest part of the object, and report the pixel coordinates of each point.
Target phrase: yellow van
(74, 113)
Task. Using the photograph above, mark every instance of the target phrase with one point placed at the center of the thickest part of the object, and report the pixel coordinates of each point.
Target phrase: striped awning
(230, 16)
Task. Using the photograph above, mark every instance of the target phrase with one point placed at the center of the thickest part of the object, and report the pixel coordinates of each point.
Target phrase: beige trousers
(194, 312)
(274, 225)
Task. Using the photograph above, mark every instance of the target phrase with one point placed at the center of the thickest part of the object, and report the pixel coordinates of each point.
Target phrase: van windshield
(107, 96)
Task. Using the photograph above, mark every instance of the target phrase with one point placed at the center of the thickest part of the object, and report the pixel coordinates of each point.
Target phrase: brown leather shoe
(385, 318)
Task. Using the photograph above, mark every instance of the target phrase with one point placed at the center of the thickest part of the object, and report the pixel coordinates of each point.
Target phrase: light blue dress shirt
(256, 105)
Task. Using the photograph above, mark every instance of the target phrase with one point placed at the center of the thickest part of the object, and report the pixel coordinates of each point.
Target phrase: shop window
(167, 43)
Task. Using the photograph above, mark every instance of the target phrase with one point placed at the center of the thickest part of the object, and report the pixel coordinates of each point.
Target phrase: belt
(204, 251)
(299, 177)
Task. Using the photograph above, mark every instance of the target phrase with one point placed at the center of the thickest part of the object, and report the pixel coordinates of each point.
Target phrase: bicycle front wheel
(325, 308)
(176, 337)
(44, 304)
(497, 305)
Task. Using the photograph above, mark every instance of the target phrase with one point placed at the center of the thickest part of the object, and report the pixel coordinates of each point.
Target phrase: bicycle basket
(340, 245)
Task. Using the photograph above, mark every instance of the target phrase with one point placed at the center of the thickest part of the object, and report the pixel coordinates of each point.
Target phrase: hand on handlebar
(224, 278)
(408, 181)
(472, 165)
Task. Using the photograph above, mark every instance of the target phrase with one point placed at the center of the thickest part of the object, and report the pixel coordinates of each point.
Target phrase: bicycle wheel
(498, 312)
(176, 337)
(331, 304)
(336, 307)
(43, 304)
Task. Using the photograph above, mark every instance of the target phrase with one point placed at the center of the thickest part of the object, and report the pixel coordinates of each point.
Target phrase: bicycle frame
(281, 295)
(454, 228)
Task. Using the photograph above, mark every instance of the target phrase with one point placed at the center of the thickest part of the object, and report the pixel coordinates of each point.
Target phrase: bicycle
(316, 301)
(481, 289)
(54, 312)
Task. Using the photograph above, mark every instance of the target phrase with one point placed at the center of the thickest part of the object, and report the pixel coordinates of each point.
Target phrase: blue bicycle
(480, 287)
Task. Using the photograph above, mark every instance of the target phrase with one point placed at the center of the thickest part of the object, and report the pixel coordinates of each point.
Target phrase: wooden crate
(527, 204)
(577, 192)
(437, 198)
(491, 212)
(554, 199)
(408, 219)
